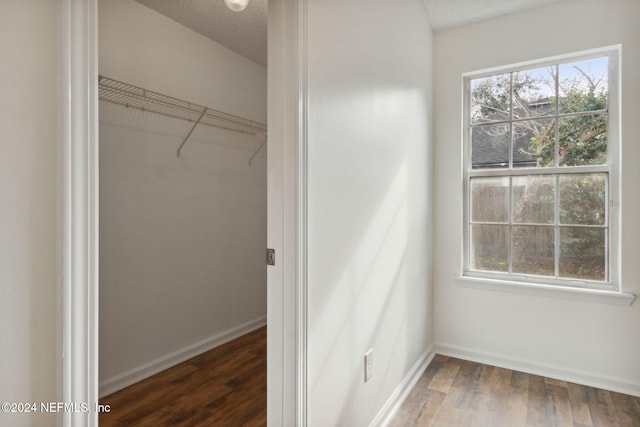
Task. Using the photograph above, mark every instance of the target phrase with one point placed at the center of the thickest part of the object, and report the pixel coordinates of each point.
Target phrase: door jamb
(287, 229)
(78, 210)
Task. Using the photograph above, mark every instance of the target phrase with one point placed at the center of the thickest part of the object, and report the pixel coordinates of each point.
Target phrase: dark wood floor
(226, 386)
(458, 393)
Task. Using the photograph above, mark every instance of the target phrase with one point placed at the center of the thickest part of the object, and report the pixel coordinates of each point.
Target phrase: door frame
(78, 212)
(78, 209)
(287, 207)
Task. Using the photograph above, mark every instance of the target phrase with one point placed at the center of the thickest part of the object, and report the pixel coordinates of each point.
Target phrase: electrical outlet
(368, 365)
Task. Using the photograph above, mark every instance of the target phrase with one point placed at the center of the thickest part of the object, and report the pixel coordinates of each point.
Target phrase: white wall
(181, 239)
(587, 341)
(28, 333)
(369, 178)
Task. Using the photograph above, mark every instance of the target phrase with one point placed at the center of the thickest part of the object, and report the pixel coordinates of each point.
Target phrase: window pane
(583, 140)
(583, 199)
(583, 85)
(490, 146)
(534, 199)
(534, 143)
(538, 179)
(490, 199)
(533, 250)
(534, 93)
(490, 99)
(490, 247)
(582, 253)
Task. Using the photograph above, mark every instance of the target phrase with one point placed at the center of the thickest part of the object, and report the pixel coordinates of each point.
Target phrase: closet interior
(183, 193)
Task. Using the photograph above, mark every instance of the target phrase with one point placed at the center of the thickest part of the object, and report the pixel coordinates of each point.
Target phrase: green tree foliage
(582, 202)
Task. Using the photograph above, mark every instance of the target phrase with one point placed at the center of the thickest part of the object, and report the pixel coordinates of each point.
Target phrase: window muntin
(538, 172)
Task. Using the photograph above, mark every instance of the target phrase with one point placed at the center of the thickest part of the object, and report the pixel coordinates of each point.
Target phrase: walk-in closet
(183, 205)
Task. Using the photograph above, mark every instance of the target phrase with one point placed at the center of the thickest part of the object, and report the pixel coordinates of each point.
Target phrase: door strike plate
(271, 257)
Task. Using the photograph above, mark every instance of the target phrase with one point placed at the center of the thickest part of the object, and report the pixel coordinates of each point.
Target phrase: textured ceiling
(246, 32)
(243, 32)
(453, 13)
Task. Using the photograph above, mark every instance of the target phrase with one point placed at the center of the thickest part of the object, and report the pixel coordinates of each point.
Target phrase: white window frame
(516, 281)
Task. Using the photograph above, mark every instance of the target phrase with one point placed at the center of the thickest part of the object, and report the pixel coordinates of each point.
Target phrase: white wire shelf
(121, 93)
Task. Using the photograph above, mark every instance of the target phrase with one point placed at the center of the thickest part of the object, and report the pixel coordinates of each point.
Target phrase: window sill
(581, 294)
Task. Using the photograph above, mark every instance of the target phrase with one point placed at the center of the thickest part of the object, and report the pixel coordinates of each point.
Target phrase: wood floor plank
(516, 410)
(458, 393)
(468, 371)
(624, 406)
(581, 414)
(429, 410)
(517, 401)
(444, 377)
(557, 404)
(500, 382)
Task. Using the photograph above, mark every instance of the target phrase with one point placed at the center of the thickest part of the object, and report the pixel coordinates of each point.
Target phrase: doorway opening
(183, 215)
(79, 192)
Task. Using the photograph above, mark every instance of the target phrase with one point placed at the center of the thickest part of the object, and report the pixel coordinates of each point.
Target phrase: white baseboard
(401, 392)
(620, 385)
(120, 381)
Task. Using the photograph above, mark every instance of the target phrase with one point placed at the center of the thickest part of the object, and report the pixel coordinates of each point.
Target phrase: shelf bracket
(258, 150)
(186, 138)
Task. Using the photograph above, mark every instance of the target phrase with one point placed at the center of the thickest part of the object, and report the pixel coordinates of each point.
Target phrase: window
(541, 144)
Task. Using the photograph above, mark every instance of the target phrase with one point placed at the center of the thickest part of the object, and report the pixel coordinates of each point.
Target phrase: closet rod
(121, 93)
